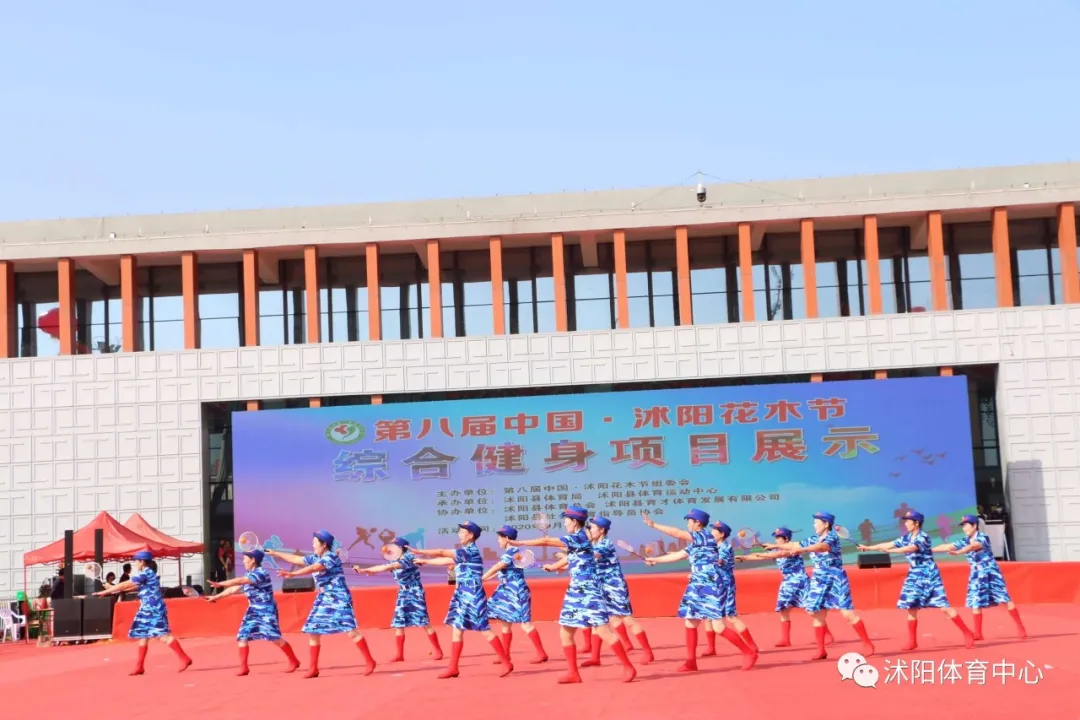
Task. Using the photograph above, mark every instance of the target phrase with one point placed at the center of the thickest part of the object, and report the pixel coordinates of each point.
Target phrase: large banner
(753, 456)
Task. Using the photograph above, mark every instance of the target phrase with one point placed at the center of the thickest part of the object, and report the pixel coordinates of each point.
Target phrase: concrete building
(129, 340)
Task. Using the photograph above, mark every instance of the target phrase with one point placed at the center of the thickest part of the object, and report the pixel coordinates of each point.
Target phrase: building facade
(126, 341)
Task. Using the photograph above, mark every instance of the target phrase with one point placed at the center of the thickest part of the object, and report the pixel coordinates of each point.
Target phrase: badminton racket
(542, 522)
(248, 541)
(842, 532)
(747, 538)
(524, 559)
(92, 571)
(190, 592)
(343, 554)
(623, 545)
(392, 552)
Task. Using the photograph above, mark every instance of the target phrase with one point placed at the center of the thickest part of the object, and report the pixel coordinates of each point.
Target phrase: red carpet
(654, 596)
(35, 681)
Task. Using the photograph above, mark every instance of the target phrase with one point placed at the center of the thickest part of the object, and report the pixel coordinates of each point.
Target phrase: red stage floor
(37, 681)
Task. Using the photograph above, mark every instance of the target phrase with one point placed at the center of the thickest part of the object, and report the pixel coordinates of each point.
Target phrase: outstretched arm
(666, 529)
(376, 568)
(668, 558)
(972, 546)
(126, 586)
(880, 547)
(760, 556)
(290, 558)
(557, 566)
(231, 590)
(307, 570)
(235, 582)
(495, 570)
(435, 561)
(437, 553)
(542, 542)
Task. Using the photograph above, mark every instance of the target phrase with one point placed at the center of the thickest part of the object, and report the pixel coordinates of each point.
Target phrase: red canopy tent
(120, 543)
(138, 524)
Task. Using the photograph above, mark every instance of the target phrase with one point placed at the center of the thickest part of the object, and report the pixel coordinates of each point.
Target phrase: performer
(986, 584)
(468, 606)
(793, 585)
(704, 596)
(829, 587)
(584, 606)
(511, 603)
(152, 619)
(332, 611)
(721, 531)
(410, 610)
(261, 618)
(616, 593)
(923, 586)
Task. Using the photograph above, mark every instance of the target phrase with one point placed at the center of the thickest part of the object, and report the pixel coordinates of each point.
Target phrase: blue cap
(144, 555)
(970, 520)
(782, 532)
(256, 555)
(576, 512)
(602, 522)
(326, 536)
(723, 527)
(401, 542)
(700, 515)
(507, 531)
(472, 528)
(827, 517)
(916, 516)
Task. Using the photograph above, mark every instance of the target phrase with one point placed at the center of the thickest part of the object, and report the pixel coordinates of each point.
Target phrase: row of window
(529, 289)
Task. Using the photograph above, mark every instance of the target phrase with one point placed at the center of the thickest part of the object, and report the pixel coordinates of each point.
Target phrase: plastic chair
(10, 622)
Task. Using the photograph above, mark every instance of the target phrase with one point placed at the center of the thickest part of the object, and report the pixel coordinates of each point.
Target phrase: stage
(1039, 672)
(653, 596)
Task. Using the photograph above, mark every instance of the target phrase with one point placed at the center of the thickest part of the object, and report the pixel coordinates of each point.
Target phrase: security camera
(701, 193)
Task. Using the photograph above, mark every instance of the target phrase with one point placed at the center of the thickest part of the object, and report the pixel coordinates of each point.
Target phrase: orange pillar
(1070, 280)
(558, 272)
(498, 308)
(9, 345)
(371, 257)
(311, 294)
(746, 273)
(873, 272)
(682, 274)
(434, 288)
(189, 280)
(129, 305)
(809, 266)
(946, 372)
(999, 231)
(622, 293)
(935, 249)
(251, 299)
(65, 276)
(315, 402)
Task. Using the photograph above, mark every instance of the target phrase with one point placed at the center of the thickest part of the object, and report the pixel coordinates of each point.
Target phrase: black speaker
(67, 619)
(69, 571)
(97, 617)
(298, 584)
(99, 546)
(874, 560)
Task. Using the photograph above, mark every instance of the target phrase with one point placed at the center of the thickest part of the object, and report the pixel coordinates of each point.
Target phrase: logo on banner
(345, 432)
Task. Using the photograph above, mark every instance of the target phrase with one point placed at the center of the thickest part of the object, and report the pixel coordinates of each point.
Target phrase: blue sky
(117, 110)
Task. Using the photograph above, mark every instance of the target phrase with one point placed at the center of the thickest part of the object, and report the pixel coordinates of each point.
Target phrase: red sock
(541, 656)
(140, 660)
(785, 634)
(594, 652)
(867, 646)
(435, 645)
(749, 654)
(646, 648)
(572, 675)
(497, 645)
(912, 635)
(504, 638)
(185, 661)
(829, 639)
(313, 671)
(1015, 613)
(588, 641)
(977, 619)
(361, 645)
(748, 639)
(293, 662)
(969, 639)
(710, 644)
(624, 635)
(400, 640)
(819, 641)
(691, 651)
(243, 661)
(455, 655)
(629, 673)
